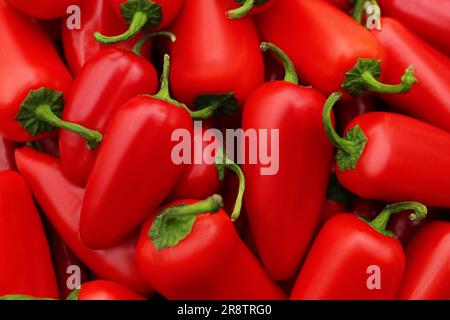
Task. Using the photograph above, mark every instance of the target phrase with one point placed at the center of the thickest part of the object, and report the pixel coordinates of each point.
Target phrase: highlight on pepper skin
(224, 150)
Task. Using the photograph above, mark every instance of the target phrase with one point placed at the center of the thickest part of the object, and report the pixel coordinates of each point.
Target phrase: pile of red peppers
(94, 207)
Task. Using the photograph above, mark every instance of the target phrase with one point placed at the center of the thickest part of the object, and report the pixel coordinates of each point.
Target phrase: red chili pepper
(104, 290)
(30, 65)
(347, 111)
(432, 69)
(43, 9)
(63, 260)
(345, 57)
(284, 208)
(428, 19)
(25, 264)
(390, 157)
(141, 15)
(354, 259)
(427, 275)
(190, 250)
(7, 155)
(61, 203)
(204, 56)
(80, 46)
(249, 7)
(108, 80)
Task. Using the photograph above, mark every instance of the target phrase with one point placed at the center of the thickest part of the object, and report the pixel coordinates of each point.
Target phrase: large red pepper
(190, 250)
(391, 157)
(61, 203)
(427, 275)
(7, 155)
(108, 80)
(30, 61)
(431, 67)
(429, 19)
(355, 259)
(141, 15)
(205, 59)
(249, 7)
(43, 9)
(284, 207)
(345, 57)
(79, 44)
(25, 264)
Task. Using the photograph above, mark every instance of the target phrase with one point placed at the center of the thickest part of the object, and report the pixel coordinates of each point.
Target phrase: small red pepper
(25, 264)
(104, 290)
(284, 207)
(345, 57)
(391, 157)
(354, 259)
(249, 7)
(428, 19)
(43, 9)
(141, 15)
(61, 203)
(205, 59)
(427, 275)
(107, 81)
(432, 68)
(30, 65)
(7, 161)
(190, 250)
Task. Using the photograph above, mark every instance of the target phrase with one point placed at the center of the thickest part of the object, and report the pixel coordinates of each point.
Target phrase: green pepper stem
(210, 205)
(209, 110)
(242, 11)
(138, 22)
(44, 113)
(373, 84)
(381, 221)
(164, 91)
(358, 10)
(290, 72)
(138, 46)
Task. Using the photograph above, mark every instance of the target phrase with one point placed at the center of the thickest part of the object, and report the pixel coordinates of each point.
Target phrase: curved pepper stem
(138, 46)
(290, 72)
(364, 78)
(351, 147)
(381, 221)
(41, 111)
(222, 163)
(174, 224)
(359, 8)
(242, 11)
(140, 14)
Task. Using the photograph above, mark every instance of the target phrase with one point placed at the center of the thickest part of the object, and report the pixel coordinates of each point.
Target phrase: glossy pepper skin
(204, 56)
(105, 290)
(210, 262)
(26, 69)
(321, 60)
(79, 44)
(427, 275)
(340, 261)
(431, 68)
(391, 157)
(25, 264)
(134, 171)
(7, 155)
(43, 9)
(107, 81)
(61, 203)
(429, 19)
(284, 207)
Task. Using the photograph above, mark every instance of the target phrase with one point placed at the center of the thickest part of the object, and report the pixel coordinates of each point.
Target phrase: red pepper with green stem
(349, 55)
(429, 99)
(390, 157)
(355, 259)
(43, 9)
(7, 155)
(79, 44)
(249, 7)
(141, 15)
(427, 275)
(61, 203)
(25, 264)
(129, 178)
(205, 59)
(190, 250)
(284, 206)
(108, 80)
(429, 19)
